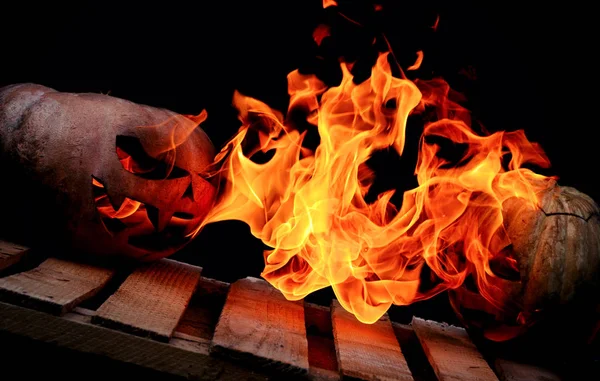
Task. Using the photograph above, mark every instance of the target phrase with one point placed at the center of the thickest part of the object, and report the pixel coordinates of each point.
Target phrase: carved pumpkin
(100, 174)
(557, 249)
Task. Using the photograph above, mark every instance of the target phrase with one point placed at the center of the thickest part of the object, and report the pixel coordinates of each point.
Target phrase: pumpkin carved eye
(135, 160)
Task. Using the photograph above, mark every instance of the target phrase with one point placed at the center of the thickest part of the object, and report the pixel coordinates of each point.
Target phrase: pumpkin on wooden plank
(99, 174)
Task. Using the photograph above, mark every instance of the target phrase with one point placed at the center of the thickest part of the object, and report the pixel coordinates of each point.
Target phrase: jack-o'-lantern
(101, 174)
(555, 248)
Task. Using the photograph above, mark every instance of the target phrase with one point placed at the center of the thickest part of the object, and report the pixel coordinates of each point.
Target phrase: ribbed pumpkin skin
(557, 248)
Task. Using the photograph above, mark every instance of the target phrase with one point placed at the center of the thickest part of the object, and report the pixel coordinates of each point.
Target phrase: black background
(521, 66)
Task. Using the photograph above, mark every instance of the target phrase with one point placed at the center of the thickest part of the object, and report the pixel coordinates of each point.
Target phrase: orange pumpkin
(99, 174)
(557, 249)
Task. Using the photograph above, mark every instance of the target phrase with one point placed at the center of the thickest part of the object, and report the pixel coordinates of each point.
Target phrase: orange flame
(105, 208)
(418, 62)
(320, 33)
(310, 207)
(436, 23)
(329, 3)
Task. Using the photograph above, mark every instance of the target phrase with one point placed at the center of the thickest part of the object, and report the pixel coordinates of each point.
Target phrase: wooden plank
(367, 351)
(513, 371)
(259, 326)
(152, 300)
(55, 286)
(451, 353)
(176, 359)
(10, 253)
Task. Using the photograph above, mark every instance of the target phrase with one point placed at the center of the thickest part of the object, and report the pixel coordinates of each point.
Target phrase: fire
(329, 3)
(418, 62)
(320, 33)
(310, 207)
(105, 208)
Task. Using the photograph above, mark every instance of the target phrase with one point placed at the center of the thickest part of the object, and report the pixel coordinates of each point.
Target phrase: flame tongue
(309, 206)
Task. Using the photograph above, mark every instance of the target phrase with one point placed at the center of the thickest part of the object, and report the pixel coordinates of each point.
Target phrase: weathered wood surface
(212, 330)
(367, 351)
(55, 286)
(179, 358)
(451, 352)
(10, 253)
(152, 300)
(260, 326)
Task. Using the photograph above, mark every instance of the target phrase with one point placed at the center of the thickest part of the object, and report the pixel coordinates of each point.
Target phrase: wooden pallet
(166, 317)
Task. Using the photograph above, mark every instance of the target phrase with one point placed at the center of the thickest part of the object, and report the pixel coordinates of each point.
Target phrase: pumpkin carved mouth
(137, 224)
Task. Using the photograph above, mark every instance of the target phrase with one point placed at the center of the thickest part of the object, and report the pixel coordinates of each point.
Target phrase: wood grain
(259, 326)
(451, 352)
(178, 359)
(55, 286)
(10, 253)
(367, 351)
(152, 300)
